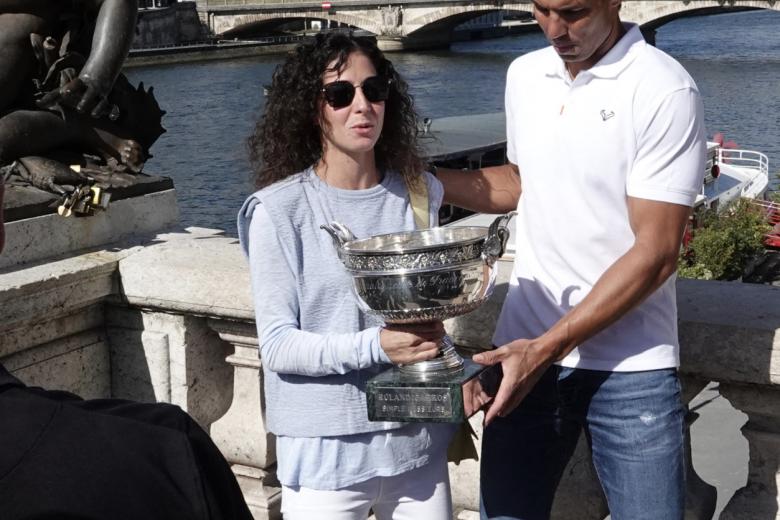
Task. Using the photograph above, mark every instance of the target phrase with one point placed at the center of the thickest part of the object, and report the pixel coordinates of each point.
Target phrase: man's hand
(474, 397)
(523, 363)
(410, 343)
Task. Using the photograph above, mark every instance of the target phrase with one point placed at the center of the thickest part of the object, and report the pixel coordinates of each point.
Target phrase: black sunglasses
(339, 94)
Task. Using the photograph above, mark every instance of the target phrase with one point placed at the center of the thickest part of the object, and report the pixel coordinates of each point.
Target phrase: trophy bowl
(418, 276)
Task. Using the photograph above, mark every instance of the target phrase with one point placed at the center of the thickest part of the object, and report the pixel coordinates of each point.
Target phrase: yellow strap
(462, 445)
(418, 199)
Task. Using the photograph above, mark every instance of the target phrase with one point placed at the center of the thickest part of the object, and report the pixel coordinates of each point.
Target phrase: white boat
(731, 173)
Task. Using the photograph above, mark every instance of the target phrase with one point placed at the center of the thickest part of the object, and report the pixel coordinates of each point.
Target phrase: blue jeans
(634, 423)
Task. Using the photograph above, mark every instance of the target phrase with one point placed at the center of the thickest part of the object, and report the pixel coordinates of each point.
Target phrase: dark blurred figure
(62, 457)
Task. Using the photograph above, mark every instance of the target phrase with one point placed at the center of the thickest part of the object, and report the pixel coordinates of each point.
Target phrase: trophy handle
(498, 234)
(339, 233)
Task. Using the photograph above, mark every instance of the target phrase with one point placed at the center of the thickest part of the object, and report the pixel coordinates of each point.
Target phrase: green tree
(724, 243)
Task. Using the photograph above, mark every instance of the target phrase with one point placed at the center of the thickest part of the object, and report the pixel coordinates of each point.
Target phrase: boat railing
(744, 159)
(748, 160)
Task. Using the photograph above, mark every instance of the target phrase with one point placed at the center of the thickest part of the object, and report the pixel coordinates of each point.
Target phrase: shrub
(724, 243)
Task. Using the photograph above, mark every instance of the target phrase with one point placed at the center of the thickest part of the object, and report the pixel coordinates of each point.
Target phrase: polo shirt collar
(614, 61)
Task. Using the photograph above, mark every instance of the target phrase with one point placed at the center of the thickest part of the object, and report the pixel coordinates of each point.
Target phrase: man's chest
(574, 132)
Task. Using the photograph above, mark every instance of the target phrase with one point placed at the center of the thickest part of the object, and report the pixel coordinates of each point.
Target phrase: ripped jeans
(634, 424)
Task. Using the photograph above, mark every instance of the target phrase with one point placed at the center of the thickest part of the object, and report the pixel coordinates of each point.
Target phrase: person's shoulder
(281, 196)
(430, 179)
(435, 187)
(394, 181)
(291, 183)
(662, 72)
(538, 61)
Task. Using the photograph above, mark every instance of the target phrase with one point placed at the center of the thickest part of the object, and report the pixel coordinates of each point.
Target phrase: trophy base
(395, 395)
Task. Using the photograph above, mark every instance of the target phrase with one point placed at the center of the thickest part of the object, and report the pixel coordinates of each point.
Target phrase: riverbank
(210, 51)
(225, 50)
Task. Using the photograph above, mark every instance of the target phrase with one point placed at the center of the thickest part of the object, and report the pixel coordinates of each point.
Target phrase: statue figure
(391, 17)
(68, 118)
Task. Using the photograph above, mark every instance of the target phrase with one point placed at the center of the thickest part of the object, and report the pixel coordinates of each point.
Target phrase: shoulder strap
(418, 199)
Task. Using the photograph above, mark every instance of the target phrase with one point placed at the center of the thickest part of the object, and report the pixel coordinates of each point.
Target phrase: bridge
(415, 24)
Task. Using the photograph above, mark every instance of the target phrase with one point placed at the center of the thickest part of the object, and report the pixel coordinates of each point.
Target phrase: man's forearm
(626, 284)
(658, 228)
(488, 190)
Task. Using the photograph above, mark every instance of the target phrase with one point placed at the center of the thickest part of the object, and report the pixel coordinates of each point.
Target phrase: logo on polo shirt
(606, 115)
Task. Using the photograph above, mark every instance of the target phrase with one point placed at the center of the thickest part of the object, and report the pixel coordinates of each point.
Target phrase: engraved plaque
(415, 403)
(396, 396)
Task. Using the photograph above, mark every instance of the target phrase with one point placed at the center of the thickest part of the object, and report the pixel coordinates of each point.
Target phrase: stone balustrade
(172, 320)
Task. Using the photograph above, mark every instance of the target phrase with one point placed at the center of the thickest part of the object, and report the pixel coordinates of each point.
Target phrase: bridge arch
(447, 23)
(449, 18)
(665, 11)
(236, 26)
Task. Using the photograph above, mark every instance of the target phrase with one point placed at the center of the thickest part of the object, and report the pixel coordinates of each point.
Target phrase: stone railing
(193, 290)
(172, 320)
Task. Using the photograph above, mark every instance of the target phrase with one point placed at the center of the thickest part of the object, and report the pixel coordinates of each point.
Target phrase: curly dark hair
(287, 138)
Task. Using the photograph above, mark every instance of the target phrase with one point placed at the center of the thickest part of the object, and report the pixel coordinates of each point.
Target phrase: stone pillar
(241, 433)
(164, 356)
(758, 499)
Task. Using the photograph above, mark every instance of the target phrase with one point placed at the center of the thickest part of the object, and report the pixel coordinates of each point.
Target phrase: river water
(734, 58)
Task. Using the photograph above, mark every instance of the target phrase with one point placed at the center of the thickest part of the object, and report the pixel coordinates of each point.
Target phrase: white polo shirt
(631, 125)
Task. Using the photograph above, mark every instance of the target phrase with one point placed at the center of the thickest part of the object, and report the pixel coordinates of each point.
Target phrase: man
(606, 149)
(62, 457)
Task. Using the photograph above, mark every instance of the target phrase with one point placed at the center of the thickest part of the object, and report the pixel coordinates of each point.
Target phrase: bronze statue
(67, 116)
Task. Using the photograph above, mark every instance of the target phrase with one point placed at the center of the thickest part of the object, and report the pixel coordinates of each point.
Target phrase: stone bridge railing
(172, 321)
(415, 24)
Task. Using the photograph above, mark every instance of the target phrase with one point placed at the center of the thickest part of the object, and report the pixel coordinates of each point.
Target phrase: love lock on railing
(85, 200)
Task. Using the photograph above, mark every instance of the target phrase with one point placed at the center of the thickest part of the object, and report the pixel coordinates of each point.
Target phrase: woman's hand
(409, 343)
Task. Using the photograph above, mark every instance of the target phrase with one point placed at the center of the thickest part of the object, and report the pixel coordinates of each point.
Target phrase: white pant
(420, 494)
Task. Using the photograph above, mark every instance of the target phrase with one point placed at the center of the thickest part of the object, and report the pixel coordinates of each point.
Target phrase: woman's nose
(360, 102)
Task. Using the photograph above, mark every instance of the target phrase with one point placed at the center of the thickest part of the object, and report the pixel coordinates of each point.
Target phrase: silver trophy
(414, 277)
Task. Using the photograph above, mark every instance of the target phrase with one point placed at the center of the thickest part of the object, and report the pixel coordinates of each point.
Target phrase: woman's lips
(363, 128)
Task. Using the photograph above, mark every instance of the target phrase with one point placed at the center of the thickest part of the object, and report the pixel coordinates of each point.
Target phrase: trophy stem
(448, 361)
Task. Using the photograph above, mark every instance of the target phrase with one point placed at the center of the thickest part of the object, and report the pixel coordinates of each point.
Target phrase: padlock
(64, 211)
(66, 208)
(100, 198)
(82, 207)
(96, 192)
(81, 199)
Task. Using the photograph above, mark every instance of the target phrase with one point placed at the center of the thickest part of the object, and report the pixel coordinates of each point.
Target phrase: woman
(337, 143)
